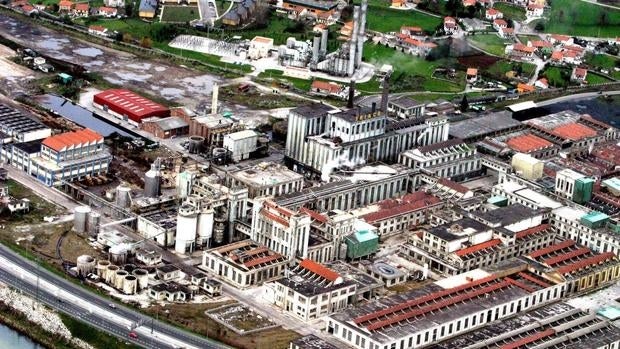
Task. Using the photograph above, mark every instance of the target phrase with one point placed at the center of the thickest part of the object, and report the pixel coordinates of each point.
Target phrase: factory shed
(129, 105)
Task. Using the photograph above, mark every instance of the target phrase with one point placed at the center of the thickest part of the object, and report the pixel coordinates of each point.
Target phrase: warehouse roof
(71, 139)
(574, 131)
(528, 143)
(29, 147)
(129, 103)
(171, 123)
(13, 120)
(483, 125)
(313, 110)
(245, 134)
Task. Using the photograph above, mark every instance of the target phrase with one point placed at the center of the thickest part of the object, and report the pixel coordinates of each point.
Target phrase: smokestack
(351, 94)
(315, 47)
(385, 93)
(214, 98)
(353, 40)
(324, 35)
(362, 34)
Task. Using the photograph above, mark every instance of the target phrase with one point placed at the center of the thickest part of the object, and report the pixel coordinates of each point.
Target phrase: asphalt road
(81, 304)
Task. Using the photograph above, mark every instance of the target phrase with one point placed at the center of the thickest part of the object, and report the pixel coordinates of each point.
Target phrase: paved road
(573, 97)
(79, 303)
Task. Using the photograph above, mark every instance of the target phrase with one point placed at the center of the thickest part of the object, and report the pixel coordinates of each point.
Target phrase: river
(10, 338)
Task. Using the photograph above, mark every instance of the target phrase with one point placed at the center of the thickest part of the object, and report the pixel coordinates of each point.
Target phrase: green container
(583, 190)
(361, 244)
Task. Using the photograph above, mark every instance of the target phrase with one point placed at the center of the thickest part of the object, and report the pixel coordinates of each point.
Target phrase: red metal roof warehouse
(125, 102)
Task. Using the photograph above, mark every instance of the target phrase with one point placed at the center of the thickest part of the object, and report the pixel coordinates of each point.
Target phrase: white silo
(80, 219)
(185, 180)
(187, 223)
(152, 181)
(143, 278)
(205, 227)
(110, 274)
(94, 219)
(119, 279)
(123, 196)
(130, 284)
(85, 265)
(102, 267)
(118, 254)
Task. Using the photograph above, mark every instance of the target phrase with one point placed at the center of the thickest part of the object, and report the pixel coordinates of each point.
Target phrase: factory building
(321, 136)
(451, 159)
(488, 125)
(518, 192)
(395, 216)
(527, 166)
(165, 127)
(557, 325)
(365, 186)
(17, 127)
(266, 179)
(260, 47)
(406, 107)
(574, 186)
(594, 230)
(67, 156)
(446, 308)
(128, 106)
(244, 264)
(479, 239)
(310, 291)
(213, 127)
(241, 144)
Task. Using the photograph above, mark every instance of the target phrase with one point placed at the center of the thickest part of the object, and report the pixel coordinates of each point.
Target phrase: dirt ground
(193, 317)
(13, 75)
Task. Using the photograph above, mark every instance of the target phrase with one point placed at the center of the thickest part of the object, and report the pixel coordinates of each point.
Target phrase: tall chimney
(353, 40)
(362, 34)
(324, 36)
(214, 98)
(351, 94)
(385, 93)
(316, 43)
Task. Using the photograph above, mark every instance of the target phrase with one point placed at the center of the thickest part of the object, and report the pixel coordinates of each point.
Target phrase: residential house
(467, 3)
(560, 39)
(506, 32)
(326, 88)
(449, 25)
(28, 9)
(148, 8)
(499, 23)
(108, 12)
(579, 75)
(493, 14)
(417, 47)
(523, 51)
(114, 3)
(81, 9)
(411, 31)
(398, 3)
(65, 6)
(542, 83)
(534, 10)
(557, 57)
(97, 30)
(524, 88)
(472, 75)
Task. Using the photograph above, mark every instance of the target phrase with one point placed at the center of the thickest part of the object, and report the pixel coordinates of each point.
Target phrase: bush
(540, 26)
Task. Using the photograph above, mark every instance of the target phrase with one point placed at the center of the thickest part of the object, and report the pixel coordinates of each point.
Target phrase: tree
(510, 22)
(129, 10)
(146, 42)
(561, 16)
(127, 37)
(464, 104)
(540, 26)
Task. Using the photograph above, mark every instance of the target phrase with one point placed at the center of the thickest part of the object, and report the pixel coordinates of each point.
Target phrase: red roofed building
(98, 30)
(65, 5)
(107, 11)
(81, 9)
(561, 39)
(326, 88)
(128, 105)
(533, 145)
(69, 156)
(411, 31)
(449, 25)
(500, 23)
(557, 56)
(534, 10)
(395, 216)
(574, 131)
(493, 14)
(579, 74)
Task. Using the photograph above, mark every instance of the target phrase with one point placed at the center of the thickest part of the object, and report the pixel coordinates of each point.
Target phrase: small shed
(65, 78)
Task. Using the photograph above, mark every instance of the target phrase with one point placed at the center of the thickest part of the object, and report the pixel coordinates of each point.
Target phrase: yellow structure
(527, 166)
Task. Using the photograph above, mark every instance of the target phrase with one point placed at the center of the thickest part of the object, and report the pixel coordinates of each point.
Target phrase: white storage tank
(185, 180)
(118, 254)
(119, 279)
(130, 284)
(94, 219)
(142, 276)
(102, 267)
(205, 227)
(111, 274)
(80, 219)
(187, 223)
(123, 196)
(241, 144)
(85, 265)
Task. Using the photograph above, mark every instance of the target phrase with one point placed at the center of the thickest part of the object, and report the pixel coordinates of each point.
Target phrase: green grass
(93, 336)
(594, 79)
(525, 38)
(501, 67)
(581, 18)
(490, 43)
(385, 20)
(603, 61)
(278, 75)
(179, 14)
(514, 12)
(412, 73)
(137, 28)
(557, 77)
(45, 2)
(202, 57)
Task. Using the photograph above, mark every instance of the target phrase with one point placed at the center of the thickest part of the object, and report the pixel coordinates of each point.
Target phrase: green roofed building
(361, 244)
(594, 220)
(583, 190)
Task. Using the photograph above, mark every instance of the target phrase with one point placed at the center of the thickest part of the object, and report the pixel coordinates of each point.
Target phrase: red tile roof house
(493, 14)
(65, 5)
(449, 25)
(411, 31)
(97, 30)
(326, 88)
(81, 10)
(579, 74)
(107, 11)
(499, 23)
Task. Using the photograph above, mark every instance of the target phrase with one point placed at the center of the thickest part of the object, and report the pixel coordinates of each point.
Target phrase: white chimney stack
(214, 98)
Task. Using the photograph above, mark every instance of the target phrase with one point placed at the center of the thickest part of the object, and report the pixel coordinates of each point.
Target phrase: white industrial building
(260, 47)
(452, 159)
(565, 182)
(18, 127)
(267, 179)
(241, 144)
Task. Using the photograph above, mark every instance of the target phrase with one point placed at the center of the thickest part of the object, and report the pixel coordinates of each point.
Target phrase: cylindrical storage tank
(205, 227)
(263, 145)
(151, 184)
(187, 223)
(218, 229)
(130, 284)
(118, 254)
(102, 267)
(129, 267)
(143, 278)
(85, 265)
(111, 273)
(123, 196)
(80, 219)
(195, 144)
(119, 279)
(94, 219)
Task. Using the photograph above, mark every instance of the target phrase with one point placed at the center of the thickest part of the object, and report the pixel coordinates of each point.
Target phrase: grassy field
(389, 20)
(603, 61)
(596, 79)
(516, 13)
(413, 73)
(179, 14)
(557, 77)
(581, 18)
(94, 337)
(39, 207)
(490, 43)
(501, 67)
(525, 38)
(137, 28)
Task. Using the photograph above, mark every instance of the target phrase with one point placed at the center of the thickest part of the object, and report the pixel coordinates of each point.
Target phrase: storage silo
(185, 181)
(80, 219)
(151, 184)
(195, 144)
(129, 267)
(205, 227)
(102, 267)
(130, 284)
(119, 279)
(94, 219)
(143, 278)
(110, 274)
(118, 254)
(85, 265)
(187, 223)
(316, 45)
(219, 228)
(123, 196)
